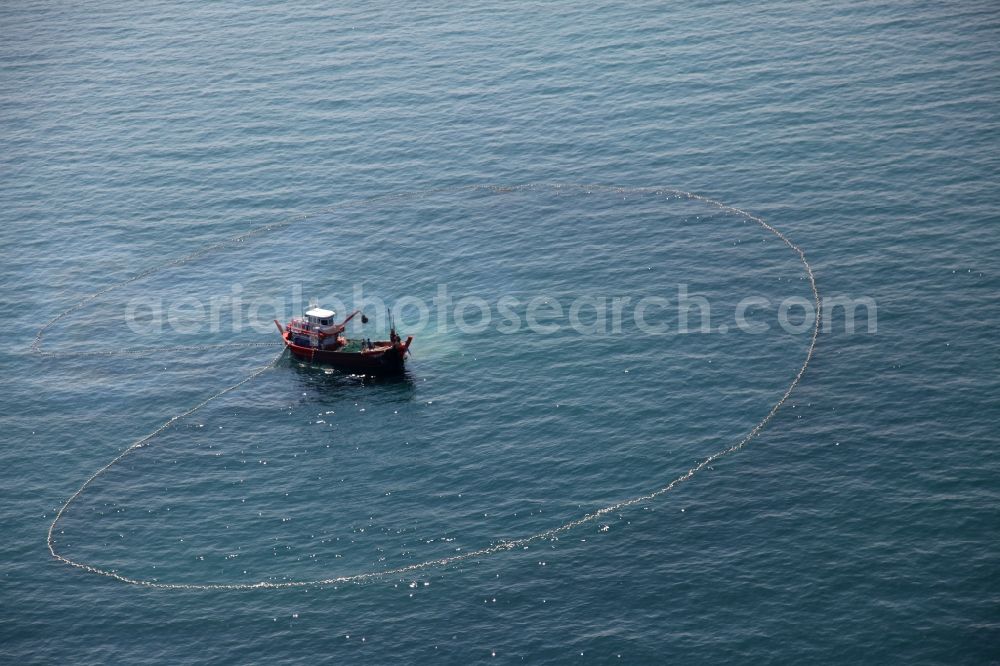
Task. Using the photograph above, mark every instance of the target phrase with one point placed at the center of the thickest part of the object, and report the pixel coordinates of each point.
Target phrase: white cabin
(320, 317)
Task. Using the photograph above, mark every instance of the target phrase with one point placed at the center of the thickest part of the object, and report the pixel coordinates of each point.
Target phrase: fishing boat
(318, 337)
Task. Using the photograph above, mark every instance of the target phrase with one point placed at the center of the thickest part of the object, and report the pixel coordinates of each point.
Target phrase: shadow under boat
(325, 376)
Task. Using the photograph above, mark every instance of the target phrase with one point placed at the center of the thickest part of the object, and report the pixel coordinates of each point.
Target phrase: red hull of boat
(380, 361)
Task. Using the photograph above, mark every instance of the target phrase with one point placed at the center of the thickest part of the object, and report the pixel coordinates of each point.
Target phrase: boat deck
(355, 345)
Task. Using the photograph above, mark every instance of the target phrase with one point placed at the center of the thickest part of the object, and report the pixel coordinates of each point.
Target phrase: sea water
(377, 155)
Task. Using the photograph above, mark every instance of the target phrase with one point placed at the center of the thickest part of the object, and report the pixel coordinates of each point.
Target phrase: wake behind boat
(317, 337)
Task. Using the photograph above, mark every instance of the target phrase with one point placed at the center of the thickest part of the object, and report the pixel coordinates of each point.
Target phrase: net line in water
(486, 551)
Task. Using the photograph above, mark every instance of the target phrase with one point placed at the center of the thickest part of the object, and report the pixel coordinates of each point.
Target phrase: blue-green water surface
(860, 526)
